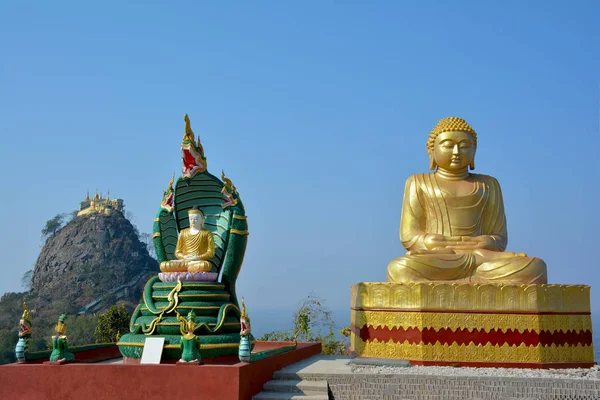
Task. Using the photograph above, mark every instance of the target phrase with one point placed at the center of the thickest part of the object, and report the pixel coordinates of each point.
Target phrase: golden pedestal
(485, 325)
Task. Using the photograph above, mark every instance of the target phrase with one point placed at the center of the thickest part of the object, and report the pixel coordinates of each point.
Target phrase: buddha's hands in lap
(485, 242)
(436, 244)
(440, 244)
(433, 241)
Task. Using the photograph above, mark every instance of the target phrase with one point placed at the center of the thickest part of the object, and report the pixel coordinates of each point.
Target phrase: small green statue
(60, 346)
(190, 343)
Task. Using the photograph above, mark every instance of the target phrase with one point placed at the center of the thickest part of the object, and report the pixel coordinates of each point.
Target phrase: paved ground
(321, 364)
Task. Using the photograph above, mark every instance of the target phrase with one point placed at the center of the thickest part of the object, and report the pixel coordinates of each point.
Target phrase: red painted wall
(148, 382)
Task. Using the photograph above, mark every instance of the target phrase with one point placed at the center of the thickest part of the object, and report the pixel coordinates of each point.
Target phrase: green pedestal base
(217, 319)
(131, 345)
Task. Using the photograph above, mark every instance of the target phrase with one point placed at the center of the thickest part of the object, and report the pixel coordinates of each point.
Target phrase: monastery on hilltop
(98, 204)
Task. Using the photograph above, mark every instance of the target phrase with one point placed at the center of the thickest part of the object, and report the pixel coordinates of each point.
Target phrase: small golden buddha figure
(195, 246)
(453, 223)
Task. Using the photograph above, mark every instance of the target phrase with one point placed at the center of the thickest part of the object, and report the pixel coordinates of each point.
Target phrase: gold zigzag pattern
(487, 322)
(474, 353)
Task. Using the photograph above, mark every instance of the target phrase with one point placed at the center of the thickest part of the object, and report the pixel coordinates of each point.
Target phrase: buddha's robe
(427, 209)
(200, 245)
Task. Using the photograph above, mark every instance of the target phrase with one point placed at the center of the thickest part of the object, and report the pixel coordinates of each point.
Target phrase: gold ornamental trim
(173, 299)
(156, 219)
(238, 232)
(225, 296)
(188, 285)
(457, 320)
(222, 346)
(186, 307)
(155, 235)
(474, 353)
(240, 217)
(446, 296)
(176, 346)
(178, 324)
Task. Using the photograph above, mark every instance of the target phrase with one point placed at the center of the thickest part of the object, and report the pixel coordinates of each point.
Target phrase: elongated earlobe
(432, 163)
(472, 165)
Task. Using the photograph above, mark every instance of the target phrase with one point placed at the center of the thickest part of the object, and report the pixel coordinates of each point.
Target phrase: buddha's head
(452, 144)
(196, 217)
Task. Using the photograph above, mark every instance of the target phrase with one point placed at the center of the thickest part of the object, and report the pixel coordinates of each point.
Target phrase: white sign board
(152, 352)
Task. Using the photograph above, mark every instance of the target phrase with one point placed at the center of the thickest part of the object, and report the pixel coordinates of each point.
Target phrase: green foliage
(53, 225)
(114, 322)
(313, 323)
(11, 309)
(81, 329)
(8, 342)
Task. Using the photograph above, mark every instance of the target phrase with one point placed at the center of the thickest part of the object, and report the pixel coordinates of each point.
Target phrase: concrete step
(289, 396)
(286, 375)
(296, 386)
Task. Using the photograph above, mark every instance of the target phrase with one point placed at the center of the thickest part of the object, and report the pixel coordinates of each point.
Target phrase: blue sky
(317, 110)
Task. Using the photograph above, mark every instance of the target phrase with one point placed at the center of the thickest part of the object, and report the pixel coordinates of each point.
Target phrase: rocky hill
(91, 263)
(94, 261)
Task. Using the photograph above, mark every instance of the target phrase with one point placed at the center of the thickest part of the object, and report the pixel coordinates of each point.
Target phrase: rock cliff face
(90, 263)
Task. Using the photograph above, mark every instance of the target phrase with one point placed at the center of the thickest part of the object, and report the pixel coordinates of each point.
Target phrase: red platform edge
(82, 380)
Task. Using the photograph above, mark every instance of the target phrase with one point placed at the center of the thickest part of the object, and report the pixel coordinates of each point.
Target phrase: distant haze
(318, 112)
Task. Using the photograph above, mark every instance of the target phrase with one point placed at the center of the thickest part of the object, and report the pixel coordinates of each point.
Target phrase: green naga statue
(25, 331)
(60, 346)
(200, 235)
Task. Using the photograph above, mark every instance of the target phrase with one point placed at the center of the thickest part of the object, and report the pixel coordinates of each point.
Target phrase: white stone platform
(348, 381)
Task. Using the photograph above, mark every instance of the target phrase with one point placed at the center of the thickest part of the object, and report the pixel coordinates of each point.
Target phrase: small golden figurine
(195, 246)
(453, 223)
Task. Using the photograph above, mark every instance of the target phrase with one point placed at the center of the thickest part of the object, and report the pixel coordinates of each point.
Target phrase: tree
(115, 321)
(313, 323)
(146, 238)
(81, 329)
(53, 225)
(26, 280)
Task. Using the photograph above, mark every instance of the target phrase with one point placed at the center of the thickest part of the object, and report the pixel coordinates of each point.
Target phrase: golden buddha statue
(195, 246)
(453, 223)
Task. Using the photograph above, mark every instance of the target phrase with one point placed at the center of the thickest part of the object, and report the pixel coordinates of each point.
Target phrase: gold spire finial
(171, 182)
(25, 311)
(243, 309)
(87, 196)
(108, 195)
(189, 134)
